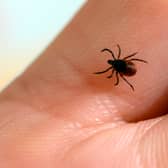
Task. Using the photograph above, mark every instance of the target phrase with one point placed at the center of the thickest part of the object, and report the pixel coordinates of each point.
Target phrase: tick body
(121, 67)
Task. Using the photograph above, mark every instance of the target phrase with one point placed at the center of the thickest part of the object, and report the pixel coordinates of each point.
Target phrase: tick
(121, 67)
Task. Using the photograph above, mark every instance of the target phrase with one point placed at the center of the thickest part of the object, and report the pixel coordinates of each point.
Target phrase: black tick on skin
(121, 67)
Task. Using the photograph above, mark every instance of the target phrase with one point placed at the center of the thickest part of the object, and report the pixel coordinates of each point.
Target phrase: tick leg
(103, 71)
(110, 76)
(130, 56)
(136, 59)
(119, 51)
(127, 82)
(106, 49)
(117, 82)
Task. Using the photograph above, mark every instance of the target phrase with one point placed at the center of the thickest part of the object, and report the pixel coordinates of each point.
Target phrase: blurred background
(26, 29)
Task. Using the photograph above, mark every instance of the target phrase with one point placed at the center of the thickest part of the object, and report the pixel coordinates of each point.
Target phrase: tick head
(110, 62)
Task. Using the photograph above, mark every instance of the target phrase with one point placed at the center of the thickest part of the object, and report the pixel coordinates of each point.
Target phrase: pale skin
(59, 114)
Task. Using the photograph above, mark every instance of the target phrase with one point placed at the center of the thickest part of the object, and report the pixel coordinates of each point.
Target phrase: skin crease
(59, 114)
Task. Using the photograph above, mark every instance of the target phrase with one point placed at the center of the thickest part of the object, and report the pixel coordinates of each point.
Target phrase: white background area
(27, 27)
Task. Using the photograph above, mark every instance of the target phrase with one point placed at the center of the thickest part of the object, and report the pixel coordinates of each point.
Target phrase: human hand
(59, 114)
